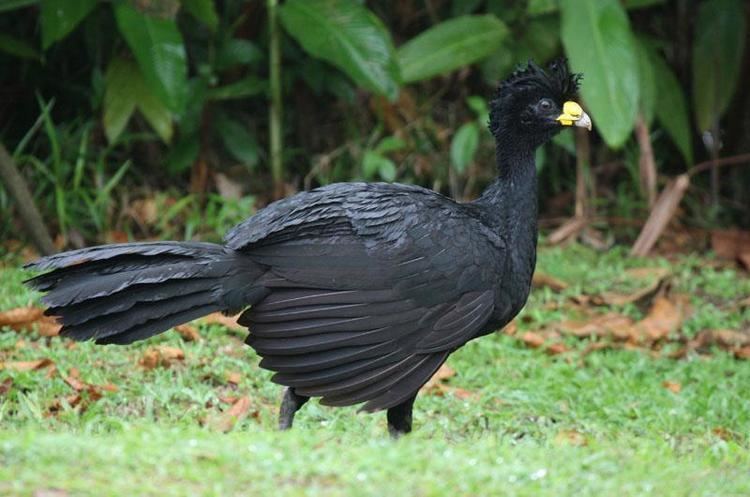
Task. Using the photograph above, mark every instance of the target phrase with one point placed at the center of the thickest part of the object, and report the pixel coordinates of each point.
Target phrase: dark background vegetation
(172, 119)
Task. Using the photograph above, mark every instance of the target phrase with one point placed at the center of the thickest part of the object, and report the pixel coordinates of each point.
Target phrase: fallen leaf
(744, 258)
(571, 437)
(729, 244)
(144, 211)
(601, 326)
(161, 356)
(672, 386)
(25, 318)
(743, 352)
(27, 365)
(533, 340)
(656, 277)
(188, 332)
(233, 415)
(234, 377)
(442, 374)
(226, 321)
(6, 385)
(556, 348)
(665, 316)
(724, 433)
(73, 379)
(541, 280)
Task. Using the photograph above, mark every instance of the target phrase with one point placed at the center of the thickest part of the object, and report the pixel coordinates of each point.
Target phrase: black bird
(354, 292)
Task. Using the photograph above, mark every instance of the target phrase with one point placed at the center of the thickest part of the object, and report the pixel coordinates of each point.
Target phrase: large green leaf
(15, 4)
(464, 146)
(237, 139)
(348, 36)
(670, 105)
(450, 45)
(59, 18)
(126, 90)
(18, 47)
(598, 40)
(541, 7)
(204, 11)
(159, 50)
(717, 57)
(647, 81)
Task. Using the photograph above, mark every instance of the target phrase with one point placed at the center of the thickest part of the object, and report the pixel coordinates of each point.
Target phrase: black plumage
(354, 292)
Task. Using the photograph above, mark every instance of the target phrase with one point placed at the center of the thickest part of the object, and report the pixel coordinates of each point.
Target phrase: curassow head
(533, 104)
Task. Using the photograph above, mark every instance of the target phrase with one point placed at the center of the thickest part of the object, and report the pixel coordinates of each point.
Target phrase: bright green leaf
(118, 102)
(246, 87)
(204, 11)
(450, 45)
(541, 7)
(17, 47)
(598, 40)
(464, 146)
(387, 170)
(717, 56)
(373, 163)
(6, 5)
(348, 36)
(125, 91)
(647, 82)
(390, 144)
(158, 47)
(60, 18)
(479, 106)
(237, 139)
(234, 52)
(670, 104)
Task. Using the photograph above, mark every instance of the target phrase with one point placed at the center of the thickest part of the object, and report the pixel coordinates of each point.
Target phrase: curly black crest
(557, 81)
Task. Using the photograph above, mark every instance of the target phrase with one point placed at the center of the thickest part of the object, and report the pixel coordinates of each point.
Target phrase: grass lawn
(514, 421)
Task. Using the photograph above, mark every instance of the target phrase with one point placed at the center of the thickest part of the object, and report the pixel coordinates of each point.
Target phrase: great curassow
(354, 292)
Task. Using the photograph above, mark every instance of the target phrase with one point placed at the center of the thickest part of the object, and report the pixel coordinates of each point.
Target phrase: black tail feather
(127, 292)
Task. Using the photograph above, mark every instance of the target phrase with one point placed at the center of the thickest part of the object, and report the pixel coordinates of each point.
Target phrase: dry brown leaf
(74, 380)
(666, 316)
(234, 377)
(6, 385)
(226, 321)
(24, 318)
(188, 332)
(533, 340)
(161, 356)
(541, 280)
(443, 373)
(657, 276)
(233, 415)
(672, 386)
(27, 365)
(744, 259)
(743, 352)
(724, 434)
(556, 348)
(571, 437)
(144, 211)
(602, 326)
(729, 244)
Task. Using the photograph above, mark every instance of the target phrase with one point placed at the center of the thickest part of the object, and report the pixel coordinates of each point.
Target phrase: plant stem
(275, 109)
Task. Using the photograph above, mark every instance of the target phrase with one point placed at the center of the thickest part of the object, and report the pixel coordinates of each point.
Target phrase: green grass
(534, 425)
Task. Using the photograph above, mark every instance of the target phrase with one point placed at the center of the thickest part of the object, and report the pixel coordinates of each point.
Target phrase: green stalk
(274, 115)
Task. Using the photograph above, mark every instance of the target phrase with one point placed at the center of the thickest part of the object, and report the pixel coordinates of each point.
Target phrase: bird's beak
(573, 115)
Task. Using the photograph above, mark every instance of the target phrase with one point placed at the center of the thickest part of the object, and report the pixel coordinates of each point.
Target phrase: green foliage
(347, 35)
(450, 45)
(464, 146)
(159, 49)
(60, 18)
(597, 37)
(717, 54)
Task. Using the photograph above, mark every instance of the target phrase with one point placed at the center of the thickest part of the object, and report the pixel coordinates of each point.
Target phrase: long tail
(127, 292)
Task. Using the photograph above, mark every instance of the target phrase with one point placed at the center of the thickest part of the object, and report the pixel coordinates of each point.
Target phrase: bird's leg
(399, 418)
(290, 404)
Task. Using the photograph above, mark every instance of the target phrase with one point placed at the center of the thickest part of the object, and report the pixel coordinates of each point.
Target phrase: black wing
(372, 286)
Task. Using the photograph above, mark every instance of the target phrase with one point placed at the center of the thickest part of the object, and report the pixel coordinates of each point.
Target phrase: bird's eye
(545, 104)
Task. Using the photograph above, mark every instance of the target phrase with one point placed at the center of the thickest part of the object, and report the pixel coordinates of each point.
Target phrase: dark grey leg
(399, 418)
(290, 404)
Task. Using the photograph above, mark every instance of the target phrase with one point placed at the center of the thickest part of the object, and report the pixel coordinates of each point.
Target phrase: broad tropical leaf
(348, 36)
(60, 18)
(204, 11)
(464, 146)
(450, 45)
(717, 57)
(598, 40)
(158, 47)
